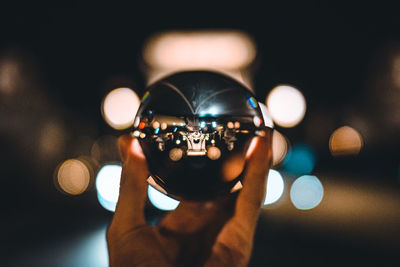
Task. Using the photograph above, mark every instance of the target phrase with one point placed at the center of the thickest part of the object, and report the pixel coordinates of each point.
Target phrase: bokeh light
(73, 176)
(306, 192)
(9, 76)
(396, 71)
(105, 149)
(107, 185)
(225, 51)
(199, 49)
(175, 154)
(286, 105)
(213, 153)
(279, 147)
(275, 187)
(300, 159)
(345, 141)
(160, 200)
(51, 139)
(119, 108)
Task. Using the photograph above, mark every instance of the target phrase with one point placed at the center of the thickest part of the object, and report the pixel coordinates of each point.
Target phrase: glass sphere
(195, 128)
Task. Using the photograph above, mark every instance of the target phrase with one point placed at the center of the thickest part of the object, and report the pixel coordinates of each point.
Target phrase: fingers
(140, 247)
(190, 217)
(234, 243)
(252, 195)
(129, 212)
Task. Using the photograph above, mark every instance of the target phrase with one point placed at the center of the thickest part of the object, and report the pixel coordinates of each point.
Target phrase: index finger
(129, 212)
(234, 242)
(252, 195)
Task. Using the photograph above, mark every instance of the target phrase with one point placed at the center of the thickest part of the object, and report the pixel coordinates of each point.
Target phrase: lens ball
(190, 125)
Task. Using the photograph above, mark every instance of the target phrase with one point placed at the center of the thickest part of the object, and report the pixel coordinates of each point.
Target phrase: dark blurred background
(58, 64)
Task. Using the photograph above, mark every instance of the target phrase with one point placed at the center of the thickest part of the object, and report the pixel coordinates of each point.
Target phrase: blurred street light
(306, 192)
(280, 147)
(160, 200)
(107, 185)
(286, 105)
(119, 108)
(227, 51)
(275, 187)
(345, 141)
(73, 177)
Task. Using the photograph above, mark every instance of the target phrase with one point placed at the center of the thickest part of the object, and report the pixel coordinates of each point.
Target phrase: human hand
(213, 233)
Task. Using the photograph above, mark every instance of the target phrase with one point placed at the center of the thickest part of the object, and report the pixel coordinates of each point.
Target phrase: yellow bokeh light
(51, 139)
(9, 76)
(175, 154)
(119, 108)
(286, 105)
(345, 141)
(73, 177)
(213, 153)
(279, 147)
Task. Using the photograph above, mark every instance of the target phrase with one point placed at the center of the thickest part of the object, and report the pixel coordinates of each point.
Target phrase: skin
(214, 233)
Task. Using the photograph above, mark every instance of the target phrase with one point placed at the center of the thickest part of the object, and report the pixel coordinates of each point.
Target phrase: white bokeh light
(119, 108)
(275, 186)
(107, 185)
(161, 201)
(306, 192)
(286, 105)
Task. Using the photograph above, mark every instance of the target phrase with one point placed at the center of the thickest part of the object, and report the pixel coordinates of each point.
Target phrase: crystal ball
(195, 128)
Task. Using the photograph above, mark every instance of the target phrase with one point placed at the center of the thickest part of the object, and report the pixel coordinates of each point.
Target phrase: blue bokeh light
(306, 192)
(160, 200)
(300, 160)
(108, 205)
(107, 185)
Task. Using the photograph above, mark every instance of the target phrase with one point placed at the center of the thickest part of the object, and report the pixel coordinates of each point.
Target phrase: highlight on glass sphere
(195, 128)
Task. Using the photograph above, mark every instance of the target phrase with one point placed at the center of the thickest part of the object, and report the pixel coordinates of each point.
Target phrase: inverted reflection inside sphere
(191, 126)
